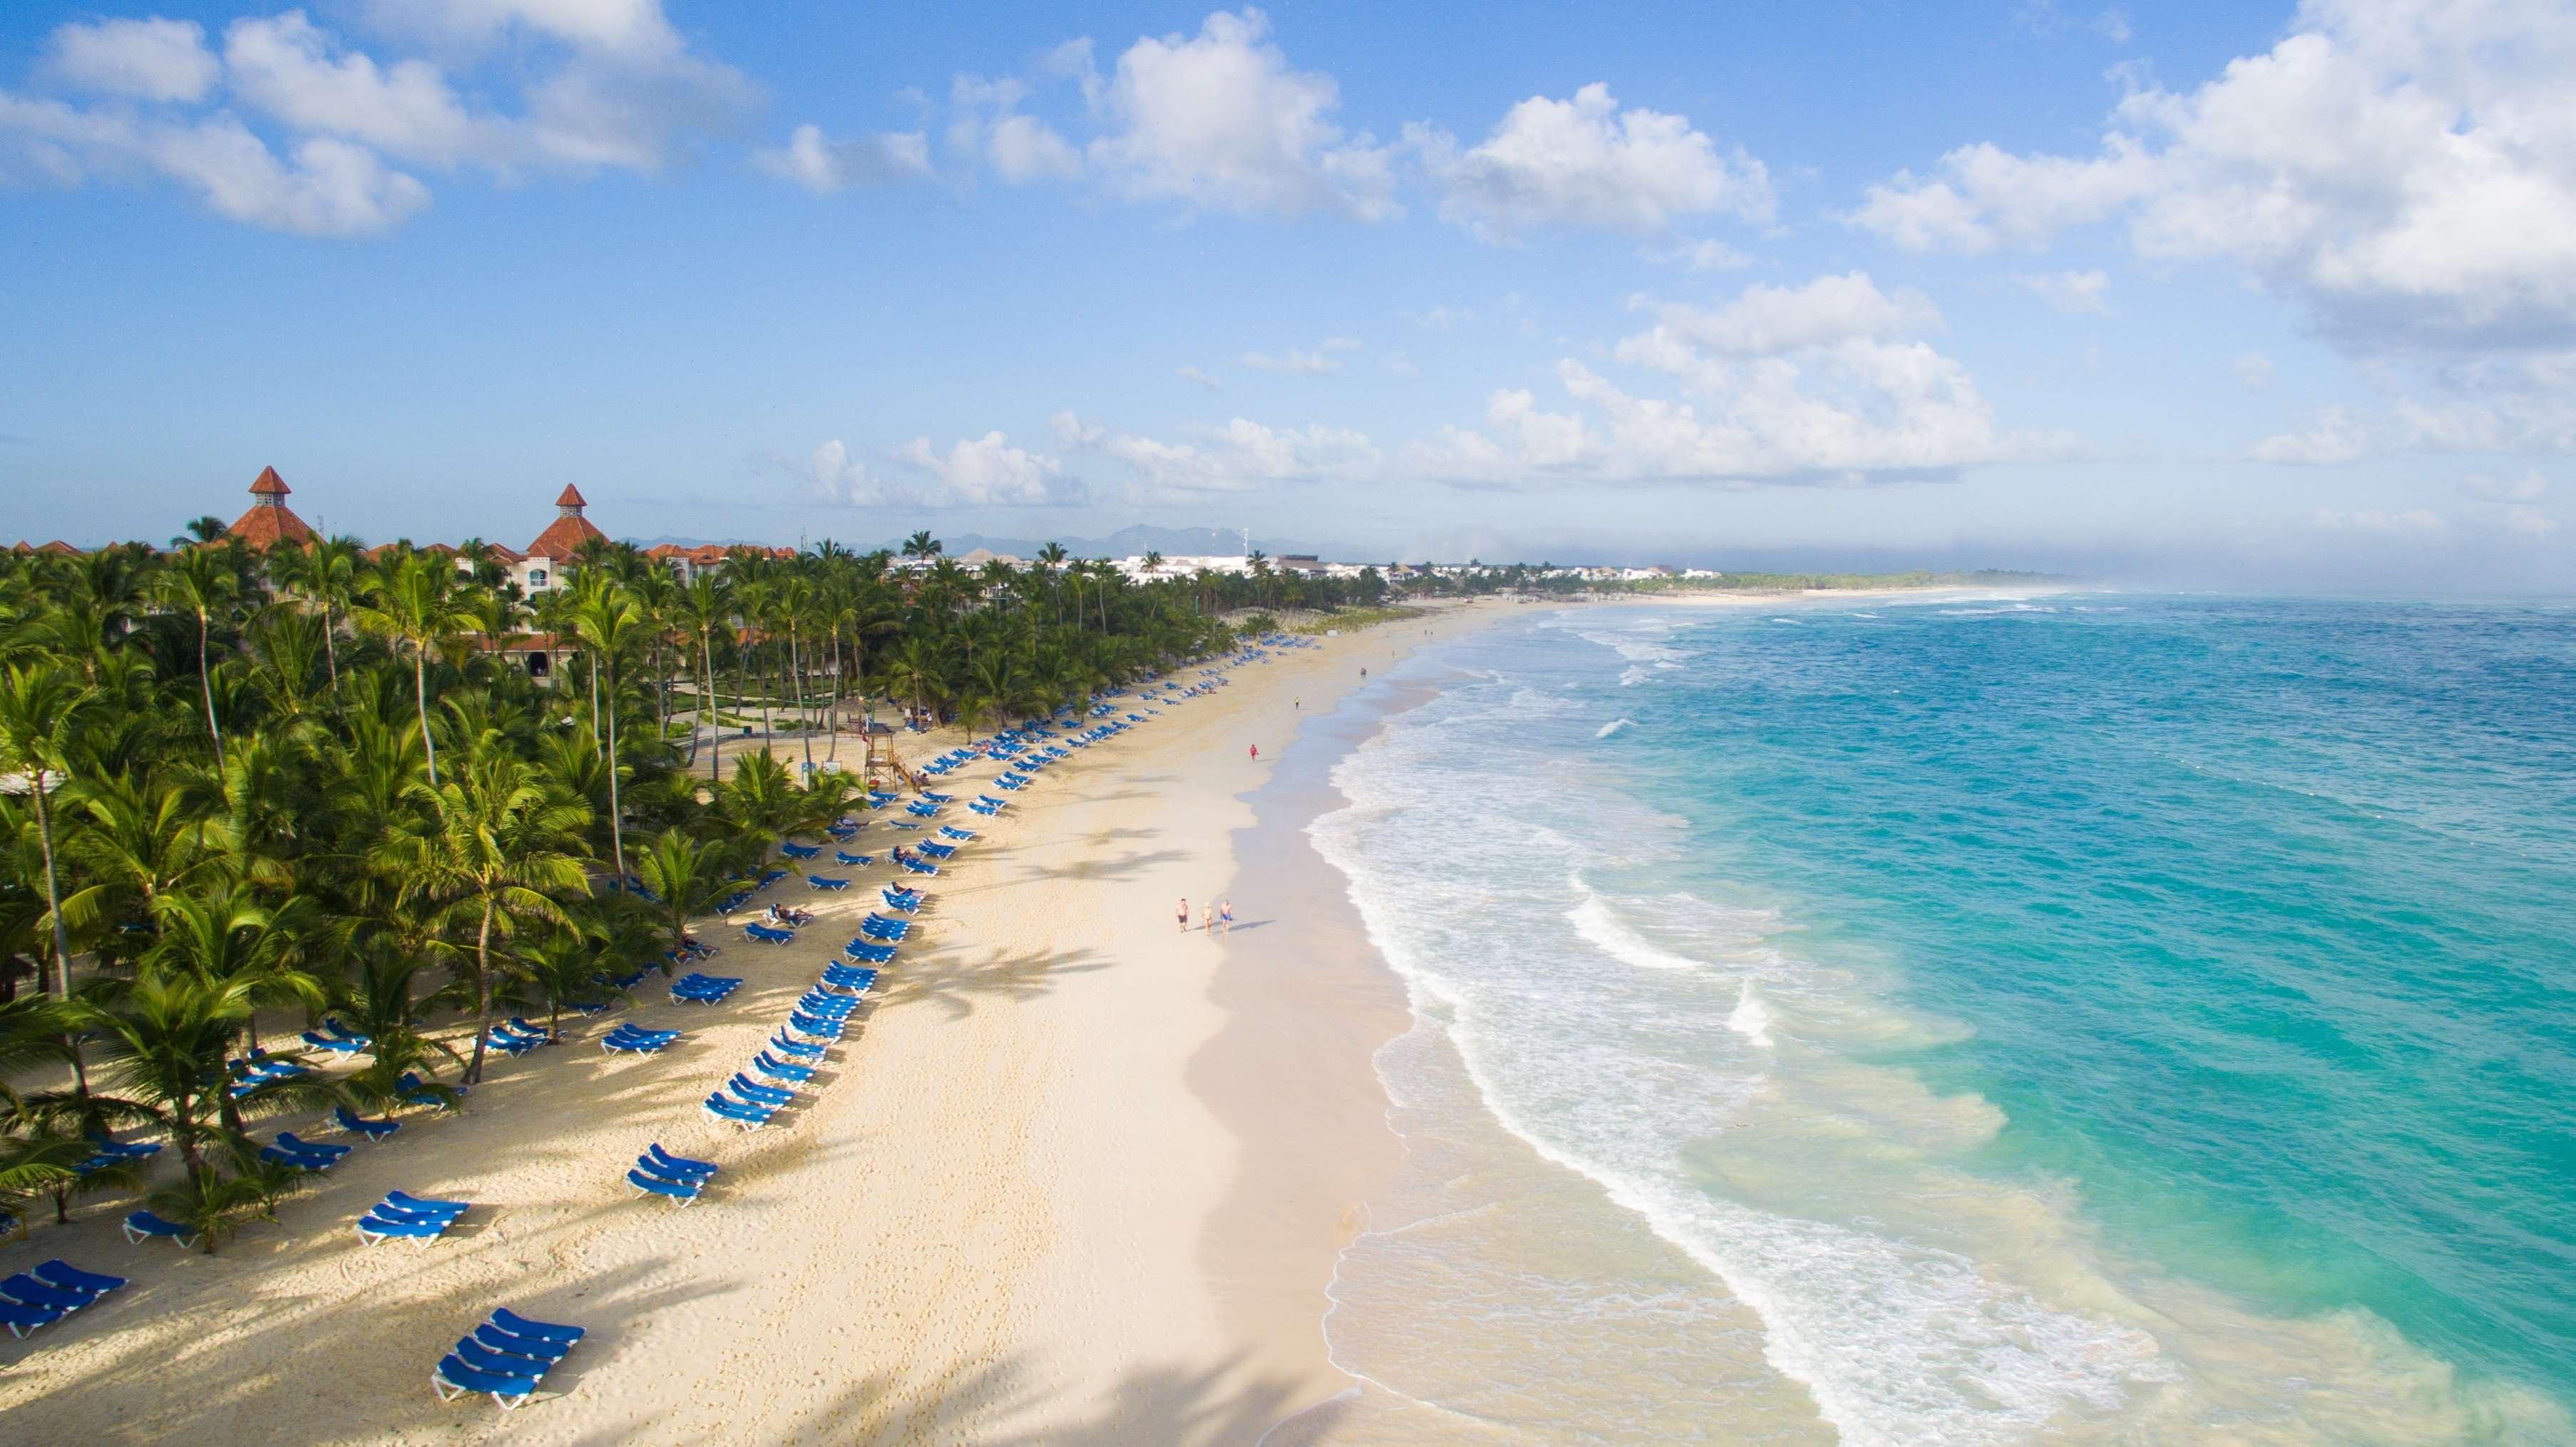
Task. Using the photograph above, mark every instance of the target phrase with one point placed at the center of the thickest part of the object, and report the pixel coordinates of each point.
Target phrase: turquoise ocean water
(2079, 1017)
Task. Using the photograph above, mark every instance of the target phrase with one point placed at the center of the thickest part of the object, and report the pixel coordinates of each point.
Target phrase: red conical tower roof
(270, 521)
(571, 497)
(564, 536)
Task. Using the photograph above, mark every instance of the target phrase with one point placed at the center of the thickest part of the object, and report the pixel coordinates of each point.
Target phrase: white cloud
(822, 165)
(154, 60)
(2412, 522)
(1767, 320)
(1818, 383)
(1583, 162)
(1020, 148)
(2530, 487)
(1240, 456)
(988, 471)
(2406, 169)
(2071, 293)
(294, 71)
(2254, 370)
(2529, 521)
(1318, 361)
(1402, 365)
(604, 83)
(1203, 378)
(320, 187)
(1219, 120)
(2338, 436)
(1444, 318)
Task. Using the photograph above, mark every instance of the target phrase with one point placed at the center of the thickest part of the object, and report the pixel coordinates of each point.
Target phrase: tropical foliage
(243, 794)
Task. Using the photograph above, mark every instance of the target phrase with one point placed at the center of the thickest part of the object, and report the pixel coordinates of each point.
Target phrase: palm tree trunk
(590, 656)
(804, 716)
(206, 683)
(833, 718)
(616, 815)
(420, 689)
(482, 995)
(330, 648)
(53, 887)
(709, 713)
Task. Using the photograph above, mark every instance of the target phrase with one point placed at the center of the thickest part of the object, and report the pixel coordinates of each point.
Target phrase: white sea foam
(1751, 1018)
(1615, 1055)
(1613, 726)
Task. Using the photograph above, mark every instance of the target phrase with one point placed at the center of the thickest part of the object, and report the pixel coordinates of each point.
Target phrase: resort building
(547, 561)
(270, 521)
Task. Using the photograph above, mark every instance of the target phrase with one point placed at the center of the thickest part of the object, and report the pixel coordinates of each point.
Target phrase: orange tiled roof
(563, 537)
(270, 522)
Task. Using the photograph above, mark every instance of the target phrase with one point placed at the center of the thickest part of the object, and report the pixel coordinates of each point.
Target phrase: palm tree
(163, 1039)
(608, 618)
(323, 572)
(384, 1002)
(922, 545)
(706, 605)
(46, 1160)
(414, 605)
(202, 581)
(40, 706)
(687, 878)
(488, 850)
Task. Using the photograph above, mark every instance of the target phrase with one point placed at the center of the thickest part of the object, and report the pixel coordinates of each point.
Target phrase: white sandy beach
(1011, 1212)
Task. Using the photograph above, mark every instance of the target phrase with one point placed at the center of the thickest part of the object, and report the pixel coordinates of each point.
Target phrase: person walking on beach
(1207, 921)
(1185, 914)
(1225, 916)
(1256, 753)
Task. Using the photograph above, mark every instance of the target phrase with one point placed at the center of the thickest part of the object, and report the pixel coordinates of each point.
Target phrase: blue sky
(2212, 293)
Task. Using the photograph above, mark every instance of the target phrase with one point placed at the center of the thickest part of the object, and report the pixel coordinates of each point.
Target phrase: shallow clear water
(2076, 1018)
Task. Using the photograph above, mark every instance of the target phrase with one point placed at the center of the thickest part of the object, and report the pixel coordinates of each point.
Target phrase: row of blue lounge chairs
(697, 989)
(39, 1298)
(409, 1217)
(503, 1358)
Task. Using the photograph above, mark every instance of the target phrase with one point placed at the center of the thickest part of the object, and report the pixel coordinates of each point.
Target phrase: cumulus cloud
(1020, 148)
(822, 165)
(153, 60)
(1824, 382)
(1203, 378)
(2254, 370)
(2071, 293)
(1240, 456)
(2405, 169)
(1584, 162)
(318, 187)
(609, 85)
(988, 471)
(1221, 121)
(2338, 436)
(1768, 320)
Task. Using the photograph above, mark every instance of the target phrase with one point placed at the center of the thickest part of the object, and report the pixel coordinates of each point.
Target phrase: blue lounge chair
(737, 1114)
(769, 877)
(374, 1130)
(376, 1227)
(800, 1049)
(454, 1378)
(517, 1325)
(781, 1070)
(757, 1093)
(855, 861)
(124, 1150)
(26, 1290)
(538, 1033)
(769, 936)
(23, 1319)
(532, 1348)
(404, 1204)
(325, 1042)
(814, 1028)
(640, 1042)
(816, 881)
(499, 1038)
(678, 1193)
(142, 1226)
(71, 1278)
(953, 832)
(288, 1140)
(678, 1168)
(800, 851)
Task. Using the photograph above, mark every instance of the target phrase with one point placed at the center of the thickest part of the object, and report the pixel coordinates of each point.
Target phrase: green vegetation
(328, 783)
